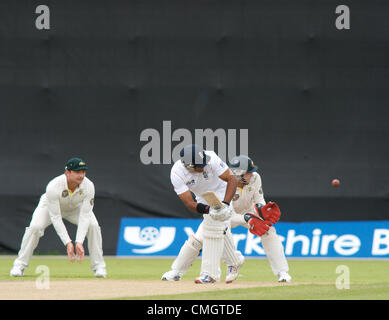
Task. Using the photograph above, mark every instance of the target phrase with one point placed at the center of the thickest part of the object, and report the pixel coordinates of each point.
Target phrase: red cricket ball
(335, 183)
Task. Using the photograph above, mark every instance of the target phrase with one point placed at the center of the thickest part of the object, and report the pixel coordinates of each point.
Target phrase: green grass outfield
(369, 279)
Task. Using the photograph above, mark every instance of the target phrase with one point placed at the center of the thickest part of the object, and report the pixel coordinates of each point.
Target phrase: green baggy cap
(76, 164)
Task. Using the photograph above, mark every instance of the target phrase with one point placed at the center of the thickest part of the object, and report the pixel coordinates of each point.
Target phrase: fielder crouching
(252, 212)
(69, 196)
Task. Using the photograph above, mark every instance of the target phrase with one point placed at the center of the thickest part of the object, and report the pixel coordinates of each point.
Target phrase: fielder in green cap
(69, 196)
(76, 164)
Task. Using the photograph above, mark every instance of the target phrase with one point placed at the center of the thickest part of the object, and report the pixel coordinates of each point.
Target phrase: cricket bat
(212, 200)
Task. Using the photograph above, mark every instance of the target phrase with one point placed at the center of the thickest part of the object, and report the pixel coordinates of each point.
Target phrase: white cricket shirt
(200, 182)
(245, 198)
(61, 200)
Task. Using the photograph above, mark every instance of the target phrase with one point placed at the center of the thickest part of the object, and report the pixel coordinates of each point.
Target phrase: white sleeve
(217, 164)
(55, 215)
(85, 214)
(178, 183)
(258, 194)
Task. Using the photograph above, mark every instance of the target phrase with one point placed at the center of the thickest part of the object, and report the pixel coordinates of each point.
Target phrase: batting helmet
(193, 156)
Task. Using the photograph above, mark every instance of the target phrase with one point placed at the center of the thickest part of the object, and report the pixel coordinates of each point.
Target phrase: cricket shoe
(16, 272)
(172, 275)
(284, 277)
(232, 271)
(100, 273)
(205, 279)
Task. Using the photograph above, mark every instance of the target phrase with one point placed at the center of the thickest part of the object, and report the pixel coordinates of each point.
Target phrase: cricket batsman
(198, 172)
(69, 196)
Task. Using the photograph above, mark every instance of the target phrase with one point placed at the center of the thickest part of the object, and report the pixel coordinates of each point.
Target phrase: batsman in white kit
(69, 196)
(251, 211)
(198, 172)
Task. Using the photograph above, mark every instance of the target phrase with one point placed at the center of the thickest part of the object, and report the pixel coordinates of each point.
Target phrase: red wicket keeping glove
(270, 211)
(257, 226)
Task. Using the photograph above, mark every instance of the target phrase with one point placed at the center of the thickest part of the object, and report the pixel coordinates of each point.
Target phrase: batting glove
(222, 214)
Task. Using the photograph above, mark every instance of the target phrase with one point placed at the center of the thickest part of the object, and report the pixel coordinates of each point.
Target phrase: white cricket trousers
(41, 220)
(271, 243)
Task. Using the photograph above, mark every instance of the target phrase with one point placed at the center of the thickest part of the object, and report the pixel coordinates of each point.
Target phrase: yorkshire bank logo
(154, 236)
(154, 239)
(165, 236)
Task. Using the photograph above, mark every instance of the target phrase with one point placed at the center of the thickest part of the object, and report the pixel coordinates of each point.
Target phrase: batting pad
(213, 245)
(187, 255)
(229, 255)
